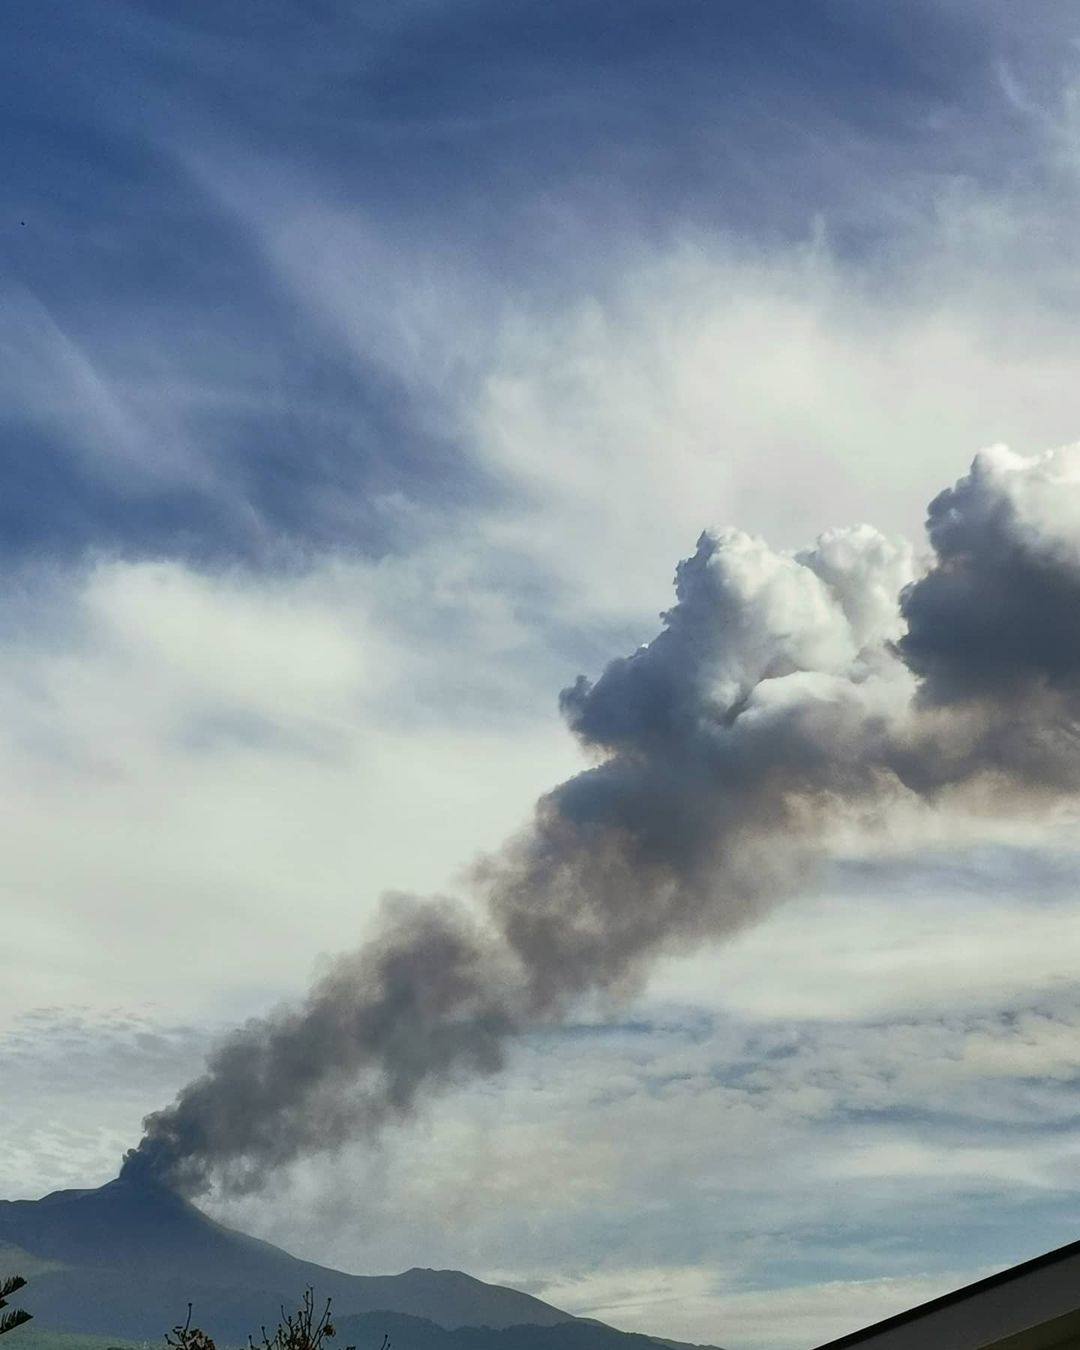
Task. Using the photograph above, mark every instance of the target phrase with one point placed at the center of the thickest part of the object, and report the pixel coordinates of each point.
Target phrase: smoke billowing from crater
(786, 695)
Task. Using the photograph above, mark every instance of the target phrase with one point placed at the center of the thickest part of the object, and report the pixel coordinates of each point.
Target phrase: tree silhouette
(187, 1337)
(301, 1330)
(16, 1317)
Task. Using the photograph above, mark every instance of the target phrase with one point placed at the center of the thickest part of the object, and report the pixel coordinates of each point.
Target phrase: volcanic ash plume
(786, 695)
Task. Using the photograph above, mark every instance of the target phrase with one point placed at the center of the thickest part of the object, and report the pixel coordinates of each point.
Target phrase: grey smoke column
(785, 694)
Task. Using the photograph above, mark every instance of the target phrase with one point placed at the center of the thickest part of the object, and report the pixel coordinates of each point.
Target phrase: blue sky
(528, 150)
(366, 370)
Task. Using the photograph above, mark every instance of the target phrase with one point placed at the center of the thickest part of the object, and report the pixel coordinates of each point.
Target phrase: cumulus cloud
(775, 705)
(720, 748)
(998, 616)
(993, 633)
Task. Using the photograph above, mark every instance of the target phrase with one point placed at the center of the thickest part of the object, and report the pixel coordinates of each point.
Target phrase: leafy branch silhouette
(187, 1337)
(17, 1316)
(302, 1330)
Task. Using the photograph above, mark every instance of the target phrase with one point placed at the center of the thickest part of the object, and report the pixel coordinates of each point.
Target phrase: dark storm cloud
(993, 628)
(998, 616)
(469, 127)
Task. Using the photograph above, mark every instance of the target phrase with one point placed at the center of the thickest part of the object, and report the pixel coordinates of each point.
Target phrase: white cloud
(796, 1317)
(864, 948)
(708, 381)
(236, 768)
(210, 778)
(681, 1300)
(76, 1082)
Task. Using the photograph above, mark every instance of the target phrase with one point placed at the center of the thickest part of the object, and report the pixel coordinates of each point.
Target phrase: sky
(367, 369)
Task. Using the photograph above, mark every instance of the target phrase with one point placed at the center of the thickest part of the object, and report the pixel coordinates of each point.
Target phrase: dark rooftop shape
(1031, 1306)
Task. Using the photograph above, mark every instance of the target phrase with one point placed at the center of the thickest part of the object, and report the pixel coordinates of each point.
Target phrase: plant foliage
(187, 1337)
(301, 1330)
(16, 1317)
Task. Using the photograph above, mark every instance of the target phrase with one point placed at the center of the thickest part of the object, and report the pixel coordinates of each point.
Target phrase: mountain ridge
(123, 1260)
(123, 1257)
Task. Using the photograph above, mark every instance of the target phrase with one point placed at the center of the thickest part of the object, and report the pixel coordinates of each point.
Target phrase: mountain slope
(125, 1260)
(366, 1330)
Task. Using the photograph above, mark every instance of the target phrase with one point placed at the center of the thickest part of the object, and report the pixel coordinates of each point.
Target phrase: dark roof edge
(956, 1296)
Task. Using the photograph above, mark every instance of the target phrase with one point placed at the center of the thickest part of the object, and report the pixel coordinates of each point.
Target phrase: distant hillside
(125, 1260)
(366, 1330)
(122, 1263)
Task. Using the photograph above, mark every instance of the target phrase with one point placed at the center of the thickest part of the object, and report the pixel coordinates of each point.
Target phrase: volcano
(125, 1260)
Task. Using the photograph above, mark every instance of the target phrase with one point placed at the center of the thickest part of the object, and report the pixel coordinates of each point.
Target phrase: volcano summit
(124, 1260)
